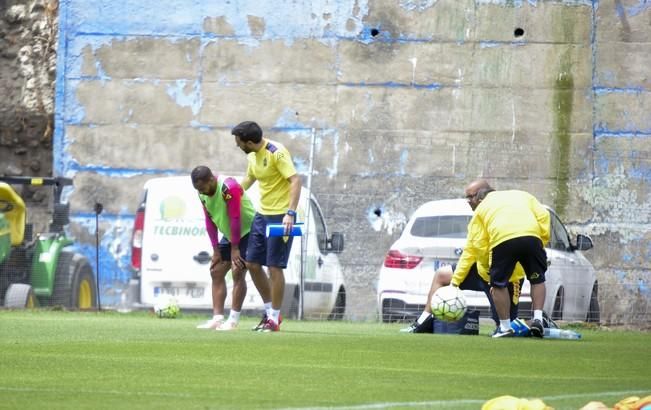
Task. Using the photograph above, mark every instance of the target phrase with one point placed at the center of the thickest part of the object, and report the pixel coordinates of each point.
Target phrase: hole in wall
(377, 212)
(375, 32)
(518, 32)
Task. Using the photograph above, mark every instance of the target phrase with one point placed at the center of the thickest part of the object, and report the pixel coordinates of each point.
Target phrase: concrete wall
(410, 100)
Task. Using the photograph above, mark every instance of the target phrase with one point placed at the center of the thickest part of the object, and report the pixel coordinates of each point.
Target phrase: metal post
(98, 210)
(304, 238)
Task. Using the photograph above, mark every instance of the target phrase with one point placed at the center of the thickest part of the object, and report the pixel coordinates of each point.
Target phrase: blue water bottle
(520, 327)
(561, 334)
(279, 230)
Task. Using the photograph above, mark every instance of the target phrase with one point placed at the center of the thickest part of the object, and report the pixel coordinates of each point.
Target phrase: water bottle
(561, 334)
(520, 328)
(279, 230)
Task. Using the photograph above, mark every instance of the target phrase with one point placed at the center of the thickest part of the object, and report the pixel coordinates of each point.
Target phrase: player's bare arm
(294, 195)
(232, 193)
(236, 258)
(247, 182)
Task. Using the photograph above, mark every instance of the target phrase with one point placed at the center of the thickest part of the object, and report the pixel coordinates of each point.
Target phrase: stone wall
(28, 42)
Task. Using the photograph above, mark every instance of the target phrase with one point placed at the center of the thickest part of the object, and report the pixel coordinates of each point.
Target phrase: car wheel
(20, 296)
(340, 306)
(557, 311)
(594, 314)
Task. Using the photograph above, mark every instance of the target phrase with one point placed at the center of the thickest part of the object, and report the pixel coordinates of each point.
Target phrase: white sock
(274, 315)
(423, 317)
(218, 317)
(537, 314)
(505, 325)
(267, 309)
(234, 316)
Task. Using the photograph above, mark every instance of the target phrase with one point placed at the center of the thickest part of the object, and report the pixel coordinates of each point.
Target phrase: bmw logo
(458, 251)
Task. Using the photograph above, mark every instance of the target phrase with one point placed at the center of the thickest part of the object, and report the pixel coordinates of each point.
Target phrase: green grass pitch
(72, 360)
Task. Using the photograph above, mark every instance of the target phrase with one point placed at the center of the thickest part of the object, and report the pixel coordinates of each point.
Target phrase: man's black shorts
(273, 251)
(528, 250)
(474, 282)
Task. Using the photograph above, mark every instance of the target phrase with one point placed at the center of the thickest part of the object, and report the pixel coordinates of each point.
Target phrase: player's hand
(236, 258)
(288, 222)
(216, 260)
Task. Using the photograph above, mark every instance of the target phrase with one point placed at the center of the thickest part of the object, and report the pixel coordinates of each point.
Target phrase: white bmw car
(435, 236)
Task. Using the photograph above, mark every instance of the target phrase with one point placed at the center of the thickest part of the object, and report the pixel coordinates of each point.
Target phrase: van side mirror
(583, 242)
(336, 242)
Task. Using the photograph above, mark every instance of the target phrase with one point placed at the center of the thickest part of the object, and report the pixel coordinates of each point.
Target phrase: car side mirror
(336, 242)
(583, 242)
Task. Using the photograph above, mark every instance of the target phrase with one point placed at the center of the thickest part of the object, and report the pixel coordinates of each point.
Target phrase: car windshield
(447, 226)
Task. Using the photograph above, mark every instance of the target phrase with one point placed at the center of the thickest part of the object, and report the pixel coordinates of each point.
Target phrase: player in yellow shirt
(469, 273)
(514, 227)
(269, 163)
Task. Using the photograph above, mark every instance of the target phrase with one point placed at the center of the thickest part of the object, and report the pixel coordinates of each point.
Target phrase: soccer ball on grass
(167, 308)
(448, 303)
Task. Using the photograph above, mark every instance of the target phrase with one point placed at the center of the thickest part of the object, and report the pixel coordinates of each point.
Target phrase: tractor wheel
(20, 296)
(74, 284)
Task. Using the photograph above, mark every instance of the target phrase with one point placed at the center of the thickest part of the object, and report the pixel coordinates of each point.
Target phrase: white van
(171, 254)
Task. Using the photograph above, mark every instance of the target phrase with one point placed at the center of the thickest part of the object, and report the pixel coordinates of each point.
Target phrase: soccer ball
(448, 303)
(167, 308)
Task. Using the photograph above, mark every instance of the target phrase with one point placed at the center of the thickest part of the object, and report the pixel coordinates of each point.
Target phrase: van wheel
(292, 313)
(74, 284)
(20, 296)
(594, 314)
(557, 311)
(340, 306)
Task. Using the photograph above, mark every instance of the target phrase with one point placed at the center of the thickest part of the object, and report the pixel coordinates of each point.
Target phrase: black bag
(467, 325)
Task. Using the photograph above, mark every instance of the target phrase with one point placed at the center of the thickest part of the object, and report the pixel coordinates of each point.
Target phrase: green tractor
(41, 269)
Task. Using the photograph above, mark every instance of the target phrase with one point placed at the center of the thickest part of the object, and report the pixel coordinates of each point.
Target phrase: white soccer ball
(448, 303)
(167, 307)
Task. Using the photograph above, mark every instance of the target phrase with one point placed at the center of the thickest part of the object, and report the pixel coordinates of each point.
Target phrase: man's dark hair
(248, 131)
(201, 173)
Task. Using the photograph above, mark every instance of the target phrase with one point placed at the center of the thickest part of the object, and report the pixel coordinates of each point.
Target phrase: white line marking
(86, 391)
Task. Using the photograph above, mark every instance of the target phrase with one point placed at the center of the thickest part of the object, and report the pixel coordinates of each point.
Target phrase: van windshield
(446, 226)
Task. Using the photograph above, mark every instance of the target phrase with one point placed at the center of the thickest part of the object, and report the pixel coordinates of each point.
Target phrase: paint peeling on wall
(388, 220)
(634, 10)
(333, 169)
(417, 5)
(114, 256)
(185, 97)
(612, 199)
(286, 19)
(519, 3)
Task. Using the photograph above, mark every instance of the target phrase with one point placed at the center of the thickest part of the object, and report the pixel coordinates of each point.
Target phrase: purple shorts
(225, 247)
(273, 251)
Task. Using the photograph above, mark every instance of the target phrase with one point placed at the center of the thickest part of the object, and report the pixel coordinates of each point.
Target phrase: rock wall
(28, 42)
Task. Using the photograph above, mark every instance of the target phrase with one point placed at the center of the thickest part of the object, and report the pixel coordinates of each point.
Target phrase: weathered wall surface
(410, 99)
(28, 39)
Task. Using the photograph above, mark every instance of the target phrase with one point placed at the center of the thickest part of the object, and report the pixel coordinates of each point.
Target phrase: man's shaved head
(473, 188)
